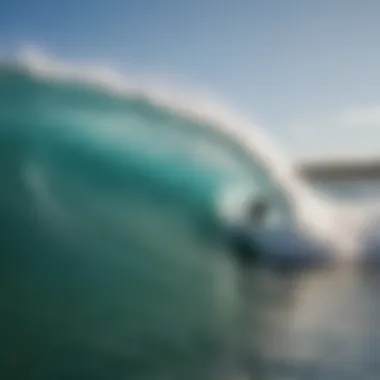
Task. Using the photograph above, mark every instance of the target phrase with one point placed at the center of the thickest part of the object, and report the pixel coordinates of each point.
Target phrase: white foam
(312, 213)
(219, 117)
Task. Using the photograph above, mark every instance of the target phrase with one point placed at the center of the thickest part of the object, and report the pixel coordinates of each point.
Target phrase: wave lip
(140, 114)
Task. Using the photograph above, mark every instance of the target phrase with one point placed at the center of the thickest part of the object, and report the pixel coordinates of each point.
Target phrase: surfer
(243, 235)
(258, 211)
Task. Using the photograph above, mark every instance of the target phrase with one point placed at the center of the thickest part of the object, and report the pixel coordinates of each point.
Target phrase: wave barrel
(112, 263)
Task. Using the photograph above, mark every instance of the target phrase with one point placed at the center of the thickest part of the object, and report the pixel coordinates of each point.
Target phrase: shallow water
(316, 325)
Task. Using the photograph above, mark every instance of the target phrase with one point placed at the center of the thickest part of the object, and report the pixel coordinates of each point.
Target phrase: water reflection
(321, 325)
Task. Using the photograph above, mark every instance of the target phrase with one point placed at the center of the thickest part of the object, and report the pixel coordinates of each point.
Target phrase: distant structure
(340, 170)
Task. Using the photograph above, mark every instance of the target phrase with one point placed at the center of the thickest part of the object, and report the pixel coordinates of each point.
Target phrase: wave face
(92, 165)
(106, 269)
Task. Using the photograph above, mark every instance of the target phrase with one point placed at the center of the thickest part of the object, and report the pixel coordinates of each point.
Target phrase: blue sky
(306, 71)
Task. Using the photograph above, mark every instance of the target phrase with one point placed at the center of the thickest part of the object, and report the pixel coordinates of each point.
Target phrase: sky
(306, 71)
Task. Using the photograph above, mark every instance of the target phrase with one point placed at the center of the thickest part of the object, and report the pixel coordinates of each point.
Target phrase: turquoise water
(114, 259)
(114, 262)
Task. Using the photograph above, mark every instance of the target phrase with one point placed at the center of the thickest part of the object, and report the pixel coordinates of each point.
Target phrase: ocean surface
(90, 164)
(321, 325)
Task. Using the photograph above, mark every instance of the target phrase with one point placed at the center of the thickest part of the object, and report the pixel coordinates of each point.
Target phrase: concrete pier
(340, 170)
